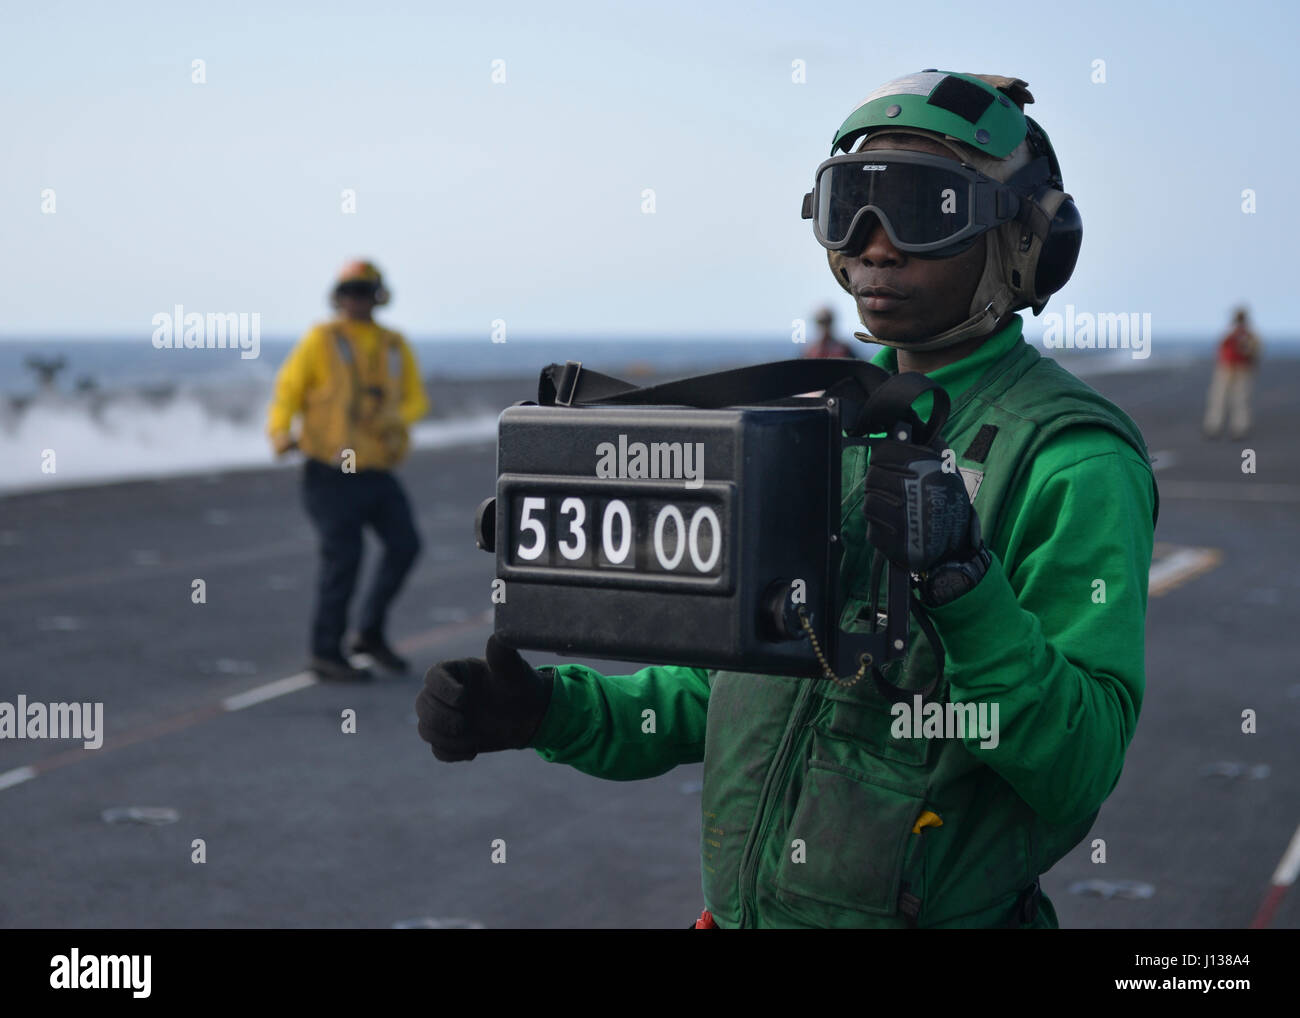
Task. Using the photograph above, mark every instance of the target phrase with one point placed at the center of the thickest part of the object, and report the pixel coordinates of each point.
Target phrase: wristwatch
(949, 580)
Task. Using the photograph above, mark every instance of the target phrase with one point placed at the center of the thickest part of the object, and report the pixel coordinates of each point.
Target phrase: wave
(54, 440)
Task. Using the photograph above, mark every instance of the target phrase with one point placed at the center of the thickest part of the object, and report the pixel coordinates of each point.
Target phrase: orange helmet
(362, 277)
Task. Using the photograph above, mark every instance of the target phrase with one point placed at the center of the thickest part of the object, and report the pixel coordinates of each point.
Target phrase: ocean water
(135, 362)
(119, 409)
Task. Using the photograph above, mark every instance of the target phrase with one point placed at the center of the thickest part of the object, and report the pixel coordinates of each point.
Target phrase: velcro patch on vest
(979, 448)
(972, 479)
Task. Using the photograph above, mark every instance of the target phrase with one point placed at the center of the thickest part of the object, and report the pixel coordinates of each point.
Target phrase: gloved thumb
(504, 661)
(520, 695)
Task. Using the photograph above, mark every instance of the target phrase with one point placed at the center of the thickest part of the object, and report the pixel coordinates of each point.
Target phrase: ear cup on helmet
(1060, 250)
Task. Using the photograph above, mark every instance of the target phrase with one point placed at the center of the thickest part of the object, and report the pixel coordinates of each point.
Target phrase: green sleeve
(1059, 654)
(597, 723)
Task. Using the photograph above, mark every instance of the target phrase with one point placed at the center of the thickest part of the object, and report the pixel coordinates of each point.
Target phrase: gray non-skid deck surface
(307, 826)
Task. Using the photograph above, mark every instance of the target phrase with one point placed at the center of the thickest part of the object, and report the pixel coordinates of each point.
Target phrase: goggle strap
(1006, 204)
(1033, 173)
(1025, 182)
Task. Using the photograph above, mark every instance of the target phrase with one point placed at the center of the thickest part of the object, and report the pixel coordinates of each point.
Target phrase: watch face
(948, 585)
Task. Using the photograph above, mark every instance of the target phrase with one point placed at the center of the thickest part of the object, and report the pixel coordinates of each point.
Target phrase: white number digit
(701, 514)
(579, 546)
(616, 555)
(526, 522)
(670, 512)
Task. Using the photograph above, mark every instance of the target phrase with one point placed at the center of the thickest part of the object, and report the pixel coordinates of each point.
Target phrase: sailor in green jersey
(827, 804)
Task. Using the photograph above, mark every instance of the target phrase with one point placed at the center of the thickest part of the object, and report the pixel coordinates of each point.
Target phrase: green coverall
(812, 808)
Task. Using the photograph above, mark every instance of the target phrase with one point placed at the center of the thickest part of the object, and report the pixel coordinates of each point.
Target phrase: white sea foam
(130, 438)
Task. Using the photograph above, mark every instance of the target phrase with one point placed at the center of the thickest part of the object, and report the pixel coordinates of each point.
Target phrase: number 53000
(642, 535)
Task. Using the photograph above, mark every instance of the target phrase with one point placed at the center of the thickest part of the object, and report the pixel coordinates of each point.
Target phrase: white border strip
(17, 776)
(1179, 565)
(260, 694)
(1289, 867)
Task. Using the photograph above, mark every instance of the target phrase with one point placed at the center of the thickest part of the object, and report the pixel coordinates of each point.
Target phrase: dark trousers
(340, 505)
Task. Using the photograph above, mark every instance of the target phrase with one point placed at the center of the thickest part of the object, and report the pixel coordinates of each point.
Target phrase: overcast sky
(522, 200)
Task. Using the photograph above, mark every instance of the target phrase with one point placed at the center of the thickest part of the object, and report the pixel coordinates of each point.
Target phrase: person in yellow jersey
(356, 387)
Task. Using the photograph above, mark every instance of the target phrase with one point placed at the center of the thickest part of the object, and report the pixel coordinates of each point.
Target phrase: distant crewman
(358, 390)
(1234, 375)
(827, 345)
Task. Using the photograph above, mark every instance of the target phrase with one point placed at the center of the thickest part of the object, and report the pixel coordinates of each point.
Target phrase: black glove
(474, 706)
(917, 514)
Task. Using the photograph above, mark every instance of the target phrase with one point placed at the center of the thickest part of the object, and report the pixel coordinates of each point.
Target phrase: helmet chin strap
(980, 324)
(993, 298)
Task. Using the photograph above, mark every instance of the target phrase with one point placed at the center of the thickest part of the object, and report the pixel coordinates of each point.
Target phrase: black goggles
(356, 288)
(929, 206)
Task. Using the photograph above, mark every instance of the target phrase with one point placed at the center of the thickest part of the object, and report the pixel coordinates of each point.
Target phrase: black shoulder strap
(888, 398)
(892, 402)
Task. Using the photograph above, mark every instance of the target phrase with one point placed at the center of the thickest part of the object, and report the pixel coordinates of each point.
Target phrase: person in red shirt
(1234, 373)
(827, 345)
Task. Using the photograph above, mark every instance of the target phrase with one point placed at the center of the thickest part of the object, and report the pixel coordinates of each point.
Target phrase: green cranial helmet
(980, 117)
(964, 107)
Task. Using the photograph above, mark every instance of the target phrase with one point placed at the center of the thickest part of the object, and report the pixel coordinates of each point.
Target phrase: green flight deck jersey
(822, 809)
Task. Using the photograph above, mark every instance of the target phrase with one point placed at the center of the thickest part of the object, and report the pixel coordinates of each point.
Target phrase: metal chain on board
(864, 659)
